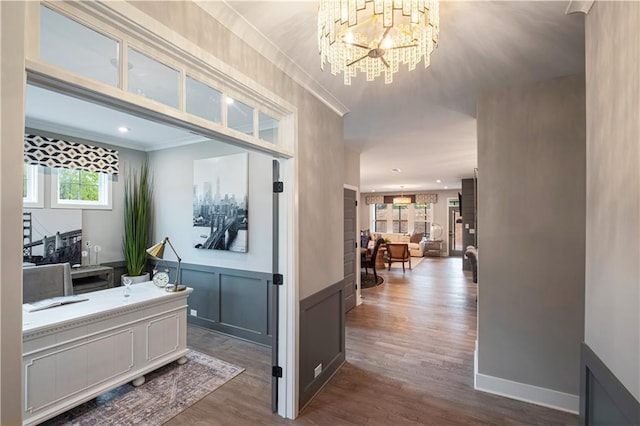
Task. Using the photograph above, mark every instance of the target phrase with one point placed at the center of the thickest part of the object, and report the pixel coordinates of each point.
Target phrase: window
(32, 186)
(380, 217)
(400, 219)
(204, 101)
(423, 216)
(71, 188)
(239, 116)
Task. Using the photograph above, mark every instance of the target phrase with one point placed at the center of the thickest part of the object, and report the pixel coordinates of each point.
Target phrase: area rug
(415, 261)
(167, 391)
(367, 281)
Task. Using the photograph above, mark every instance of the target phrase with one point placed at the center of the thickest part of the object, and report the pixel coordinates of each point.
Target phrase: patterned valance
(57, 153)
(427, 198)
(374, 199)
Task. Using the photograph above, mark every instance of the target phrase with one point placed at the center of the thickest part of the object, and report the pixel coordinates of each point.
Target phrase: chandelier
(376, 36)
(401, 200)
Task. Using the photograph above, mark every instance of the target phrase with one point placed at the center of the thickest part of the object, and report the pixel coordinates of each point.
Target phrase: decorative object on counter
(160, 278)
(138, 202)
(85, 258)
(97, 249)
(157, 252)
(127, 286)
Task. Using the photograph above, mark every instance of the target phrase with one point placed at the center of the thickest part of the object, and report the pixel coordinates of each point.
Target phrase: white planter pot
(137, 279)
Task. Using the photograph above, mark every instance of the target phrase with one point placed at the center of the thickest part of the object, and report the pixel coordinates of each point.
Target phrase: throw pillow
(416, 237)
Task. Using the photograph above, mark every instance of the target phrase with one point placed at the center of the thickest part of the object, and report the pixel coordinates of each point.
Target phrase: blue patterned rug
(166, 392)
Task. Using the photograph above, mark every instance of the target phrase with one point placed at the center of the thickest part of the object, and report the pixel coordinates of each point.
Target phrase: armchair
(397, 252)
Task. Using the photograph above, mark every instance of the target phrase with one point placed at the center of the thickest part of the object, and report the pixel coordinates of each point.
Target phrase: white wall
(352, 168)
(173, 204)
(612, 317)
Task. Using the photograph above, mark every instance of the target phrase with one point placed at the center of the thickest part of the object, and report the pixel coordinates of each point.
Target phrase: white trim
(225, 14)
(288, 315)
(527, 393)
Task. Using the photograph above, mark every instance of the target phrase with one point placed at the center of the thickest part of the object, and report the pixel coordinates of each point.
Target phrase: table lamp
(157, 252)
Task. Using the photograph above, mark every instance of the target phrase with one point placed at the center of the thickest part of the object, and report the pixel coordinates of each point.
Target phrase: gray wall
(351, 167)
(173, 200)
(102, 227)
(320, 140)
(612, 322)
(531, 198)
(230, 301)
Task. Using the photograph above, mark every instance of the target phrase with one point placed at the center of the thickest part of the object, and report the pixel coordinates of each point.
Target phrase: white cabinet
(75, 352)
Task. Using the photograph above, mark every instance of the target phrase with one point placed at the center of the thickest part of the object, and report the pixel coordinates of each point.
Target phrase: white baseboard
(527, 393)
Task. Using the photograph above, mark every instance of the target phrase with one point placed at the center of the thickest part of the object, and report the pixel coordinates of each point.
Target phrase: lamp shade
(157, 251)
(402, 201)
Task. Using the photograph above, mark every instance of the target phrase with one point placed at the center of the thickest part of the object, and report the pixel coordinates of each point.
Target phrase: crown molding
(576, 6)
(222, 12)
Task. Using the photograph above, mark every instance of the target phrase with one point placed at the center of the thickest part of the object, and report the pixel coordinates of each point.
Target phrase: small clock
(161, 279)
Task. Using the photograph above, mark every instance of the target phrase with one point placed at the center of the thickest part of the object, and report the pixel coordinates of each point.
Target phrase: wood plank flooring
(409, 361)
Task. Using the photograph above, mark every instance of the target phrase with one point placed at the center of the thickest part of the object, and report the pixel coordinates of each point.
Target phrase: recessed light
(396, 170)
(229, 100)
(373, 190)
(446, 187)
(438, 181)
(123, 129)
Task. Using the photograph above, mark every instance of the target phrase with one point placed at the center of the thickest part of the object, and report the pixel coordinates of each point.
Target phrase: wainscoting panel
(322, 336)
(229, 301)
(603, 398)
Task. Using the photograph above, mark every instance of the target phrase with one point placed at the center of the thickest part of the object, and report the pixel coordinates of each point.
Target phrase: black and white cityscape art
(220, 207)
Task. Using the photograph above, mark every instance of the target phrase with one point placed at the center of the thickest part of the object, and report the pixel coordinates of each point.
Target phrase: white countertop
(99, 303)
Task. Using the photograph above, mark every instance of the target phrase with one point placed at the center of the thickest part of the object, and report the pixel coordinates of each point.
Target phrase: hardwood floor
(409, 361)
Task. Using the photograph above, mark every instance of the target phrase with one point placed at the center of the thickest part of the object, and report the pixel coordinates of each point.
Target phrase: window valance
(374, 199)
(418, 198)
(427, 198)
(57, 153)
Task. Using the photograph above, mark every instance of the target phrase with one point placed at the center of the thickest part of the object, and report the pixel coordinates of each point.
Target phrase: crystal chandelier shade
(376, 36)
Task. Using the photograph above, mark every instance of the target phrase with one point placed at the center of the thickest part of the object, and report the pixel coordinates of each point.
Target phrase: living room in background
(400, 215)
(380, 214)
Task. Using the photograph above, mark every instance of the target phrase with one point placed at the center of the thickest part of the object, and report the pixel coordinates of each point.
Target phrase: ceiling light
(438, 180)
(375, 36)
(123, 129)
(396, 170)
(446, 187)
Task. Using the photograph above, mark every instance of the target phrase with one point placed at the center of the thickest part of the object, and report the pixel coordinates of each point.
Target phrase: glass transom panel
(203, 101)
(79, 49)
(152, 79)
(240, 117)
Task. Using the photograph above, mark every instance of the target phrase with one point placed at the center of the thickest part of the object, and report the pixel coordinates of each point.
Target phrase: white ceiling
(423, 123)
(66, 115)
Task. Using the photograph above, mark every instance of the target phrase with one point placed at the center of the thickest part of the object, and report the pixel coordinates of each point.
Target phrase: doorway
(455, 232)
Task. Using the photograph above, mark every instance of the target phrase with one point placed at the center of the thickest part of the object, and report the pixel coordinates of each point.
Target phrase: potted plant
(138, 206)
